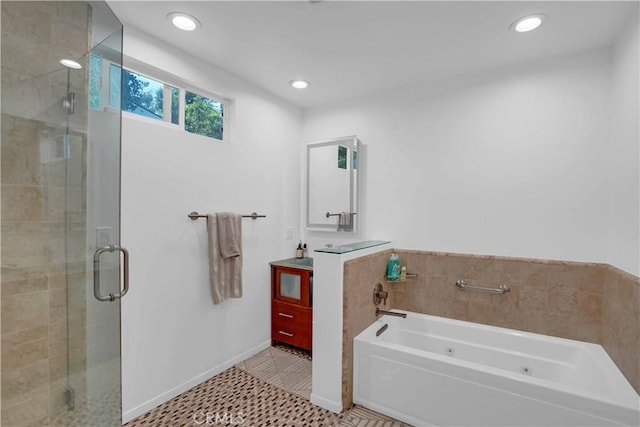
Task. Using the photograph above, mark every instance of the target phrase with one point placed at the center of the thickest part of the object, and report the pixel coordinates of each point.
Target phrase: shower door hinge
(70, 398)
(69, 103)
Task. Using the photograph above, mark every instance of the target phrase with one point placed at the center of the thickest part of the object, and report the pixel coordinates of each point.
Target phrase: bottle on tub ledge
(299, 251)
(304, 250)
(393, 268)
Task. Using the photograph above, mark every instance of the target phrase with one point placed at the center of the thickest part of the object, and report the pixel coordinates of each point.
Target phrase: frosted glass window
(290, 285)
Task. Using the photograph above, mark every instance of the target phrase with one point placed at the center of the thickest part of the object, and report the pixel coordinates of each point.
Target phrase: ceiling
(352, 48)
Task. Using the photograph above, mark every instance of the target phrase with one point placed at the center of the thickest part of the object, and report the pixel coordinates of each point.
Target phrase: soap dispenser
(299, 251)
(393, 268)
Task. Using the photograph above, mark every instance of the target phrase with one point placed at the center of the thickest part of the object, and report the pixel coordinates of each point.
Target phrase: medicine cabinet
(333, 180)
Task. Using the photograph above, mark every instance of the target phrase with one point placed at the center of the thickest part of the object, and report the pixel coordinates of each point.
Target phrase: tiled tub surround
(584, 301)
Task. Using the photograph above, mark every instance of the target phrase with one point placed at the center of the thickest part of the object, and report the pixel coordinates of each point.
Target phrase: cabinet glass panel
(290, 285)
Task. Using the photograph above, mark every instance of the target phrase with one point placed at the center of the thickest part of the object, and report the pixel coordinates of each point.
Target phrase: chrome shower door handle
(96, 272)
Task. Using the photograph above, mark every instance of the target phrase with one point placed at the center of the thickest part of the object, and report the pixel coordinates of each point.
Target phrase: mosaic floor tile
(270, 389)
(282, 369)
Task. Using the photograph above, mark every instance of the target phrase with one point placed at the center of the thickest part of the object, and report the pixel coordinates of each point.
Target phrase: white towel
(225, 274)
(229, 233)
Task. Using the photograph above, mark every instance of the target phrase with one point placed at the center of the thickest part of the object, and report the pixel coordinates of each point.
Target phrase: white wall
(506, 163)
(173, 337)
(328, 280)
(624, 152)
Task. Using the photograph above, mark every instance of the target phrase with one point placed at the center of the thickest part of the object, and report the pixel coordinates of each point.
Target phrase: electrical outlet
(288, 233)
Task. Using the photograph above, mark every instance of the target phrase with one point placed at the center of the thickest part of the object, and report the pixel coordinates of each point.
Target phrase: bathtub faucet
(379, 295)
(390, 313)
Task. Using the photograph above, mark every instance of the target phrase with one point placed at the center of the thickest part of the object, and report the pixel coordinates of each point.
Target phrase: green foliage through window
(203, 116)
(144, 96)
(342, 157)
(175, 105)
(95, 77)
(115, 77)
(141, 95)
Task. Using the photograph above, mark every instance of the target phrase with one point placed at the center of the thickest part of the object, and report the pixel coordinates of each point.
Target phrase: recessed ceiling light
(70, 63)
(299, 84)
(528, 23)
(184, 21)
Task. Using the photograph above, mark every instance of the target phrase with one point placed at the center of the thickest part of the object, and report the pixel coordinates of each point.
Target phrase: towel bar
(328, 214)
(195, 215)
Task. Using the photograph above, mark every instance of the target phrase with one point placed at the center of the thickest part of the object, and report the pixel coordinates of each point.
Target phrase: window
(203, 116)
(95, 80)
(115, 75)
(142, 95)
(153, 99)
(146, 97)
(342, 157)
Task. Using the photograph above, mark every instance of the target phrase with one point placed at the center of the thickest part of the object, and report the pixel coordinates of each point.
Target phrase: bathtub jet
(433, 371)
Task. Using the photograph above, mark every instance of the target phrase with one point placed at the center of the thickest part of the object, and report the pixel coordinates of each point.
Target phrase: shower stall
(63, 270)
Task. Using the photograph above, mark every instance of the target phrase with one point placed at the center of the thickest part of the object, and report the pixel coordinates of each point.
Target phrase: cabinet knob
(285, 333)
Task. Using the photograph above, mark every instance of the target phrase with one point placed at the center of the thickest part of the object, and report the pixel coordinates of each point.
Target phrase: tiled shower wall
(588, 302)
(42, 208)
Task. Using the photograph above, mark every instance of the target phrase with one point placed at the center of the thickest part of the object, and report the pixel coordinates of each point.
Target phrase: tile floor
(269, 389)
(283, 369)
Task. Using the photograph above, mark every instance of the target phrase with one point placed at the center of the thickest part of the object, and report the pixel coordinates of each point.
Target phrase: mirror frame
(355, 181)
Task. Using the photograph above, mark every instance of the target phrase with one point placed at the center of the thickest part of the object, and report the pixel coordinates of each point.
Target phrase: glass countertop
(343, 249)
(301, 263)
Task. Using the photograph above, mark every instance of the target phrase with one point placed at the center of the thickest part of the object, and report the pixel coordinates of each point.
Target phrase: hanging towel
(225, 274)
(229, 233)
(344, 222)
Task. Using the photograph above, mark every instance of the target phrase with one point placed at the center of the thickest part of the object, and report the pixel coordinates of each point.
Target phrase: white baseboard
(170, 394)
(327, 404)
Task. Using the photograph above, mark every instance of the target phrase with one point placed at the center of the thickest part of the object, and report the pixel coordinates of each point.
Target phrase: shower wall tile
(21, 384)
(583, 301)
(31, 412)
(58, 338)
(24, 311)
(31, 24)
(24, 286)
(58, 367)
(40, 259)
(21, 355)
(25, 239)
(57, 305)
(21, 165)
(22, 203)
(23, 268)
(24, 336)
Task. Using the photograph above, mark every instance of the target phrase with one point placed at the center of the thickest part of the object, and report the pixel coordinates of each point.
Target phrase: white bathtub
(427, 370)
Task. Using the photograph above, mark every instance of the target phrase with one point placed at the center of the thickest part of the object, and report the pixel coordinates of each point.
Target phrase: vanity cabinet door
(292, 286)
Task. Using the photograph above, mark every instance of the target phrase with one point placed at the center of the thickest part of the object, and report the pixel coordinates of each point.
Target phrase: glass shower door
(105, 261)
(60, 179)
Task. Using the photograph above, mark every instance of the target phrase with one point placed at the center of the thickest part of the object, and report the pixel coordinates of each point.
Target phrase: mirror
(332, 185)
